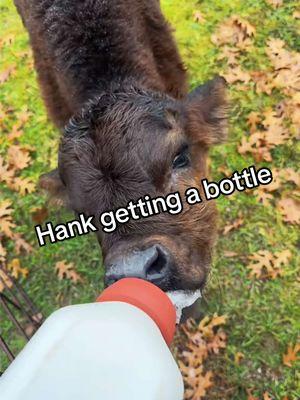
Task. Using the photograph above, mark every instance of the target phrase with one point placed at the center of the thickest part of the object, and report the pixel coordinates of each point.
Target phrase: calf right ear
(52, 183)
(207, 108)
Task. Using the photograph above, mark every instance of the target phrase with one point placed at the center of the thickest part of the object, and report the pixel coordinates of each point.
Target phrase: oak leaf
(67, 271)
(6, 223)
(198, 17)
(23, 185)
(15, 268)
(236, 74)
(21, 243)
(235, 225)
(291, 355)
(5, 281)
(6, 174)
(4, 75)
(275, 4)
(290, 209)
(18, 157)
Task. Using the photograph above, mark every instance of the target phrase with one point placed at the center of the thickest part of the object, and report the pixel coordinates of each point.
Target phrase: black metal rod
(6, 349)
(12, 318)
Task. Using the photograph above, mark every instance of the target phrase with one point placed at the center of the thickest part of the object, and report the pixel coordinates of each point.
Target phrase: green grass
(263, 315)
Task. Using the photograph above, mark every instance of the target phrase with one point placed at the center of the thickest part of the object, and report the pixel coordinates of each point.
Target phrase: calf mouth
(155, 264)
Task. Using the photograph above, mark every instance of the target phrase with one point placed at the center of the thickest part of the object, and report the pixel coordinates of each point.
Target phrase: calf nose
(152, 264)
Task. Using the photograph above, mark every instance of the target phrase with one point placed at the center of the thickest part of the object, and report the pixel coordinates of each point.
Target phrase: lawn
(262, 311)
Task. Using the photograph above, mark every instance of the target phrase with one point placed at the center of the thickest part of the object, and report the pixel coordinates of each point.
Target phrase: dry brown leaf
(6, 223)
(5, 281)
(236, 74)
(39, 214)
(23, 116)
(18, 157)
(235, 225)
(15, 268)
(198, 17)
(21, 243)
(6, 174)
(289, 174)
(253, 120)
(67, 271)
(238, 357)
(231, 54)
(2, 252)
(290, 209)
(296, 14)
(291, 355)
(262, 196)
(15, 133)
(275, 4)
(262, 260)
(9, 71)
(230, 254)
(263, 81)
(250, 395)
(235, 30)
(200, 385)
(266, 396)
(268, 265)
(282, 258)
(23, 185)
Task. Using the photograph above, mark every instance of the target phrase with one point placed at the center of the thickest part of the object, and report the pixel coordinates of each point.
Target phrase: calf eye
(182, 159)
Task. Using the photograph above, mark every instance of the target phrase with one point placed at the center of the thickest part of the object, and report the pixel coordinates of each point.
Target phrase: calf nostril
(157, 265)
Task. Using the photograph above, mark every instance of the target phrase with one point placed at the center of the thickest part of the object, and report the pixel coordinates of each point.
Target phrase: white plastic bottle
(114, 349)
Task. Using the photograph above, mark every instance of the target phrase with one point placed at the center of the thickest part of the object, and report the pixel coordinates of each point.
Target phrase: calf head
(127, 143)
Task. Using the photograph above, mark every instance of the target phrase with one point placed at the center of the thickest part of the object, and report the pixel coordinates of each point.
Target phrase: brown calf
(113, 67)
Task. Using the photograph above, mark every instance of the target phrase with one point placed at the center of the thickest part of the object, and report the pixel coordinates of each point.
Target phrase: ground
(262, 310)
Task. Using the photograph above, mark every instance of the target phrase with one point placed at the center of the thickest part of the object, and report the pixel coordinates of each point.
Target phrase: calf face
(127, 143)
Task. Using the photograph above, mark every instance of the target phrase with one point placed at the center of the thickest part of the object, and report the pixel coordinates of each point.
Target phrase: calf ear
(52, 183)
(207, 108)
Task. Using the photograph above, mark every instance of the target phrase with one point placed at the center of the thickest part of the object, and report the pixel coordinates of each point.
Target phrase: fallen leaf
(250, 396)
(263, 197)
(268, 265)
(21, 243)
(296, 14)
(266, 396)
(18, 157)
(23, 185)
(275, 4)
(290, 209)
(235, 30)
(230, 254)
(4, 75)
(291, 355)
(235, 225)
(291, 175)
(2, 252)
(15, 133)
(5, 281)
(15, 268)
(254, 118)
(39, 214)
(198, 17)
(67, 271)
(6, 174)
(6, 223)
(236, 74)
(238, 357)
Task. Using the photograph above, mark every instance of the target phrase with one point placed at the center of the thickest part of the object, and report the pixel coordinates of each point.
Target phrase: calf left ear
(52, 183)
(207, 108)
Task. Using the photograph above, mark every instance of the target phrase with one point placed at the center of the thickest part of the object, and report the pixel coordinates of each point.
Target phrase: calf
(113, 81)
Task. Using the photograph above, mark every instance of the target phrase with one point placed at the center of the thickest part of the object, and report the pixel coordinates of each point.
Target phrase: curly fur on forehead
(121, 107)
